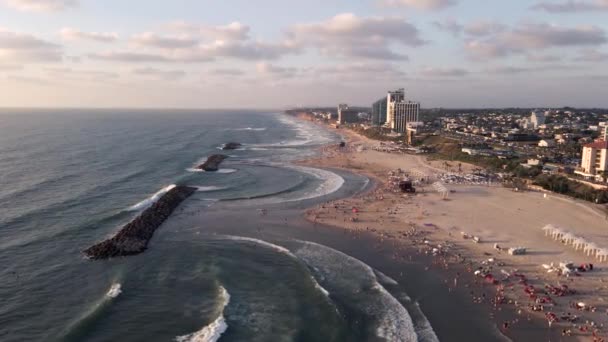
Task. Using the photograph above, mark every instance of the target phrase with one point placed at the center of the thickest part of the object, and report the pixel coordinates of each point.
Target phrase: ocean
(219, 268)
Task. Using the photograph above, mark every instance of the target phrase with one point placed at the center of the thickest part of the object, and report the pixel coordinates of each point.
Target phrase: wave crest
(213, 331)
(150, 200)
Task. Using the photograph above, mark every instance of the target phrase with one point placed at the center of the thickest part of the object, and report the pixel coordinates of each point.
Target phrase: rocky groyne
(231, 146)
(213, 162)
(133, 238)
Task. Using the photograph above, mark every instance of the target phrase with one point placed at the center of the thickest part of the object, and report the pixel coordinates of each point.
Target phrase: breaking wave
(115, 290)
(213, 331)
(223, 171)
(257, 129)
(152, 199)
(210, 188)
(356, 282)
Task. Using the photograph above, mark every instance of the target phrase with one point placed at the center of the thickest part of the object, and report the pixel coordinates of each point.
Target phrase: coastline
(378, 211)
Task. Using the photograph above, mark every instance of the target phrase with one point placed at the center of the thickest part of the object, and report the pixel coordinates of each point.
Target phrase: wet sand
(496, 215)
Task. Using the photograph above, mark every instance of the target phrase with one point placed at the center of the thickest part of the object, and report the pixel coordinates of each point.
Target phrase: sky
(288, 53)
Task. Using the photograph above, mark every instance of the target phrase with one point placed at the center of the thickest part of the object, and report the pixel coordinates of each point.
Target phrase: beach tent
(549, 229)
(579, 243)
(591, 248)
(557, 233)
(602, 254)
(568, 238)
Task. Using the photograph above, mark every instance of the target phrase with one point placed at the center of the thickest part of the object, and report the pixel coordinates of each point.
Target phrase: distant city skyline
(276, 54)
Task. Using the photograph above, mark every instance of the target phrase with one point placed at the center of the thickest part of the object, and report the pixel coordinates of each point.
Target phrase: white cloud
(78, 74)
(593, 55)
(167, 75)
(421, 4)
(228, 72)
(41, 5)
(24, 48)
(276, 71)
(484, 28)
(149, 39)
(572, 6)
(530, 37)
(69, 33)
(444, 72)
(130, 57)
(232, 31)
(348, 35)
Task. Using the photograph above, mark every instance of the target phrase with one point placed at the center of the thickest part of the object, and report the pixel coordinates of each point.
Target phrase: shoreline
(511, 310)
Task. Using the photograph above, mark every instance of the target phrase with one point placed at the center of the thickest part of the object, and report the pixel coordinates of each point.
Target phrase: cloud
(41, 5)
(347, 35)
(449, 25)
(444, 72)
(29, 80)
(130, 57)
(543, 58)
(10, 67)
(359, 72)
(531, 37)
(276, 71)
(232, 31)
(592, 55)
(246, 50)
(428, 5)
(102, 37)
(228, 72)
(484, 28)
(513, 70)
(572, 6)
(76, 74)
(149, 39)
(23, 48)
(167, 75)
(474, 29)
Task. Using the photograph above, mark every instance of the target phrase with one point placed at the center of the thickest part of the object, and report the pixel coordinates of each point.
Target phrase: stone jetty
(231, 146)
(133, 238)
(213, 162)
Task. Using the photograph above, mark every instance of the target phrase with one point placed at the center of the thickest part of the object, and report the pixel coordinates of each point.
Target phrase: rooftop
(599, 144)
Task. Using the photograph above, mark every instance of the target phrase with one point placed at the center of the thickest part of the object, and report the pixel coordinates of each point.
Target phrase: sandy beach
(573, 306)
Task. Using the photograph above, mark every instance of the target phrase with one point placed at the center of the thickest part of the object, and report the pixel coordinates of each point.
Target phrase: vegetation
(376, 133)
(563, 185)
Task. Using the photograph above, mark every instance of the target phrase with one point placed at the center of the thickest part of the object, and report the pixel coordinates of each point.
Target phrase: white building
(595, 158)
(537, 119)
(392, 99)
(399, 112)
(547, 143)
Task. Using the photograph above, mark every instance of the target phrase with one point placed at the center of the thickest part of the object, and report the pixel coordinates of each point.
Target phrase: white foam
(213, 331)
(257, 129)
(261, 242)
(394, 322)
(209, 188)
(226, 171)
(331, 182)
(223, 171)
(150, 200)
(319, 287)
(115, 290)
